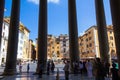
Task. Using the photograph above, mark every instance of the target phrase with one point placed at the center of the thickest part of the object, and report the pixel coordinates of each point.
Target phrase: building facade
(58, 46)
(64, 45)
(89, 43)
(23, 44)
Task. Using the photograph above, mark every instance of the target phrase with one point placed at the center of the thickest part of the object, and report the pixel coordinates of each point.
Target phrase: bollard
(57, 75)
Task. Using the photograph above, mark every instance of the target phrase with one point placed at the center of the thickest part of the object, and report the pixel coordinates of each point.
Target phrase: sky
(58, 15)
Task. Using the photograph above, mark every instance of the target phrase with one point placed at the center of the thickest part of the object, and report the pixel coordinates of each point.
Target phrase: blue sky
(58, 15)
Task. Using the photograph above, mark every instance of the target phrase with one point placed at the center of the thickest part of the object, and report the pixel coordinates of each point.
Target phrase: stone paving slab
(30, 76)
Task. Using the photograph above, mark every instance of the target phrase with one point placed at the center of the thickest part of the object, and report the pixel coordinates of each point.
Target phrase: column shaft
(115, 11)
(73, 32)
(102, 30)
(2, 4)
(42, 34)
(10, 67)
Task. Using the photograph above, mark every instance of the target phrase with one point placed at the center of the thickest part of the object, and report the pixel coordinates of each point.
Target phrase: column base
(9, 72)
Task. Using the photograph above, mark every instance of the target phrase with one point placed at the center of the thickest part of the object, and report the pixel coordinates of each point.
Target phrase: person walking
(20, 67)
(89, 68)
(66, 70)
(52, 66)
(48, 67)
(28, 67)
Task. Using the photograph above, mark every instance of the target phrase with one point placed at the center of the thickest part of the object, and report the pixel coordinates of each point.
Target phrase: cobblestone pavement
(30, 76)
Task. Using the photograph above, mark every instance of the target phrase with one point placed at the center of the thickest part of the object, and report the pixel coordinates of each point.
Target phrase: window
(110, 32)
(3, 34)
(64, 41)
(4, 26)
(58, 52)
(4, 42)
(52, 51)
(86, 39)
(64, 50)
(89, 38)
(112, 44)
(22, 35)
(87, 51)
(21, 41)
(64, 44)
(80, 44)
(111, 38)
(90, 45)
(20, 48)
(3, 50)
(89, 32)
(87, 46)
(81, 39)
(51, 42)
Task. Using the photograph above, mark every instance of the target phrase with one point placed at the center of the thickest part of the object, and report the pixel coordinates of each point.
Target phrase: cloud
(54, 1)
(34, 1)
(49, 1)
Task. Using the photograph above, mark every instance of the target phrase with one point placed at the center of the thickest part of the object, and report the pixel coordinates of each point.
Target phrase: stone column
(73, 32)
(115, 11)
(102, 30)
(10, 68)
(42, 34)
(2, 4)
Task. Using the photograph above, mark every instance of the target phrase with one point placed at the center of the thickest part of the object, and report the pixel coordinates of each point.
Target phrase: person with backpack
(114, 72)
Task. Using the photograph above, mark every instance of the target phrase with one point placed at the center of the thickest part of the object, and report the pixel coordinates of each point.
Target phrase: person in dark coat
(28, 67)
(48, 67)
(114, 72)
(52, 66)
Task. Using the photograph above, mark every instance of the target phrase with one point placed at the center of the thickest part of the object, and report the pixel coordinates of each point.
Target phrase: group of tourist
(20, 67)
(50, 68)
(96, 67)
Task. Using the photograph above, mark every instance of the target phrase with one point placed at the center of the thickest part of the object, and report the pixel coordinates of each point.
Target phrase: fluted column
(115, 11)
(2, 4)
(42, 34)
(102, 30)
(10, 67)
(73, 32)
